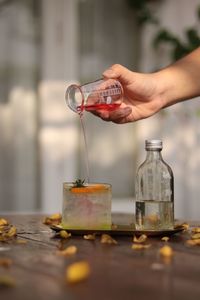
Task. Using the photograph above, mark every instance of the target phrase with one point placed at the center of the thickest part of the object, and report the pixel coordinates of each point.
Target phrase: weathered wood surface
(117, 271)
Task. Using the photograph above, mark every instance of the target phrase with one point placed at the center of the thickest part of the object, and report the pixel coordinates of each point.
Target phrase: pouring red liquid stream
(80, 109)
(86, 148)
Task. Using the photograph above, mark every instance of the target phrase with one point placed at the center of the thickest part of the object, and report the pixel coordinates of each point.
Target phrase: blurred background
(45, 45)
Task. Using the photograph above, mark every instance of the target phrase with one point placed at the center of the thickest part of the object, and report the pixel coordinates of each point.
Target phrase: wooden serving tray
(121, 230)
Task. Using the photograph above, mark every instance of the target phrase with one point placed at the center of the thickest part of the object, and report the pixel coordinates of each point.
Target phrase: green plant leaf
(164, 36)
(193, 38)
(143, 11)
(179, 51)
(79, 183)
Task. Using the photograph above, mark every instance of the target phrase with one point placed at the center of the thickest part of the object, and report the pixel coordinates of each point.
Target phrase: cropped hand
(141, 97)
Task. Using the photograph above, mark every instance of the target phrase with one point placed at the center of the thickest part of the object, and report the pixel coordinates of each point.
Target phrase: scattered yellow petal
(184, 225)
(77, 272)
(107, 239)
(90, 237)
(196, 230)
(3, 222)
(5, 262)
(64, 234)
(141, 239)
(7, 281)
(56, 216)
(165, 239)
(114, 226)
(195, 236)
(193, 242)
(54, 219)
(7, 232)
(166, 251)
(71, 250)
(140, 246)
(12, 232)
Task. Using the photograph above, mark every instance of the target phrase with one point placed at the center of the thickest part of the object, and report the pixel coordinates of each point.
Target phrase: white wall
(58, 135)
(18, 108)
(111, 147)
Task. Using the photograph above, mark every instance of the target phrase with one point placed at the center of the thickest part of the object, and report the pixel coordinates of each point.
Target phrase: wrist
(180, 81)
(163, 88)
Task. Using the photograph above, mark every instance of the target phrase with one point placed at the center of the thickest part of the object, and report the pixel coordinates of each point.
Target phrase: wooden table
(117, 271)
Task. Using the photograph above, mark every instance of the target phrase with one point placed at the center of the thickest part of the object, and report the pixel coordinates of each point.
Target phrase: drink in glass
(86, 207)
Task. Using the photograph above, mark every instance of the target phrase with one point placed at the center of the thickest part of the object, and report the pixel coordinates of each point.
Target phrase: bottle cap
(153, 144)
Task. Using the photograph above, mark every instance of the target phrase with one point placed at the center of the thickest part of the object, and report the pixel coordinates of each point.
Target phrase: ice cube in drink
(86, 207)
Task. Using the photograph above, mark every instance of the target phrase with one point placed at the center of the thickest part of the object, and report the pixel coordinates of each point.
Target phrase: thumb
(119, 72)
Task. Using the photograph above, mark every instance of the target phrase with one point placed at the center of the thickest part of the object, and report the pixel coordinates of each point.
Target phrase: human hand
(141, 97)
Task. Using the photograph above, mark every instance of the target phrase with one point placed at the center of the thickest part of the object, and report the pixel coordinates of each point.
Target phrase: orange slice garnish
(90, 189)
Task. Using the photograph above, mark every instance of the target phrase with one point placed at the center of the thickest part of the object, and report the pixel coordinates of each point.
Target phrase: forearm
(181, 80)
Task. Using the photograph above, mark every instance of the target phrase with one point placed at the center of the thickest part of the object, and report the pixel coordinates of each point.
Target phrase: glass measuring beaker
(101, 94)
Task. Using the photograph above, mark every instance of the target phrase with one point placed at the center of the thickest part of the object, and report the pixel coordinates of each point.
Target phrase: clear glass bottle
(154, 191)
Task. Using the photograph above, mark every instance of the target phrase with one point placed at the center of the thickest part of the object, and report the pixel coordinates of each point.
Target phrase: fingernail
(109, 73)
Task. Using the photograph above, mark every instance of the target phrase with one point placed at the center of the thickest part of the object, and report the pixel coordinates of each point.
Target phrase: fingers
(118, 71)
(118, 116)
(103, 114)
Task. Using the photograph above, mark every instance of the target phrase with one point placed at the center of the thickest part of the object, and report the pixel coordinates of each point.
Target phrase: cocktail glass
(86, 207)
